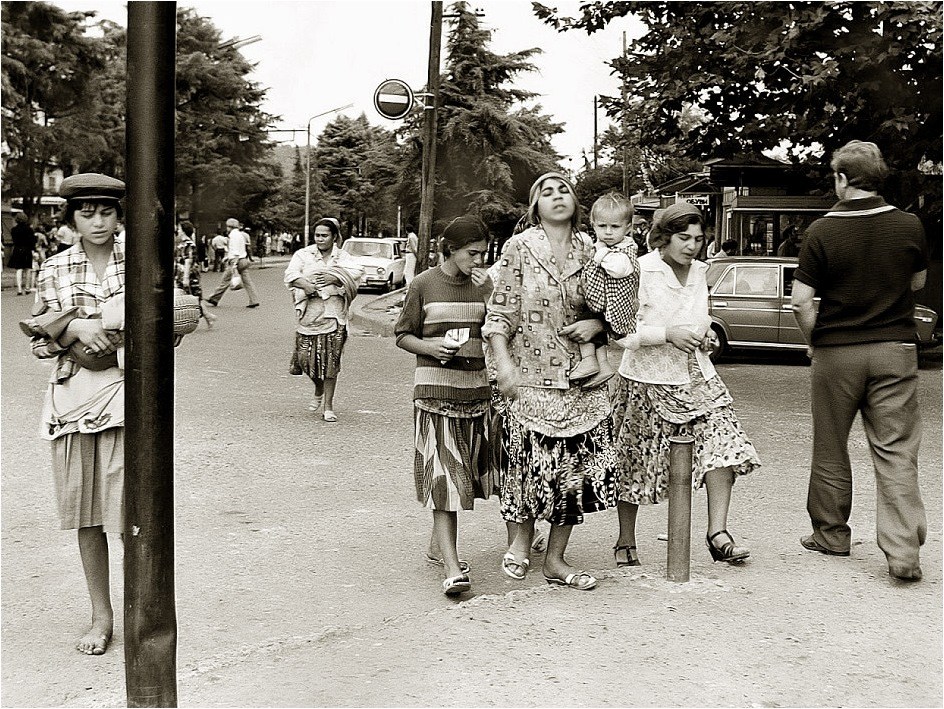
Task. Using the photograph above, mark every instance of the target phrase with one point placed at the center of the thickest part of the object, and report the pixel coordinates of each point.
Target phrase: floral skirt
(558, 479)
(643, 429)
(451, 462)
(319, 356)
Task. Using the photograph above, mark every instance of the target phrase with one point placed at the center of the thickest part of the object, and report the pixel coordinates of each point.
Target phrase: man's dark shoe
(253, 305)
(905, 573)
(212, 302)
(813, 545)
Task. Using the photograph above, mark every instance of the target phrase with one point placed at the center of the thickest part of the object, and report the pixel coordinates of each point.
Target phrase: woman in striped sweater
(441, 323)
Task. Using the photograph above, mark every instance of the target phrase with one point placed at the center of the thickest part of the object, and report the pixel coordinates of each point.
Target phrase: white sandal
(329, 416)
(316, 403)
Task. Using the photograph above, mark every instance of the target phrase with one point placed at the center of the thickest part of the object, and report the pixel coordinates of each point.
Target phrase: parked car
(749, 302)
(382, 259)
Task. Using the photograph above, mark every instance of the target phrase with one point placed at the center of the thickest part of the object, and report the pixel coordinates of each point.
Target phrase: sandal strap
(726, 545)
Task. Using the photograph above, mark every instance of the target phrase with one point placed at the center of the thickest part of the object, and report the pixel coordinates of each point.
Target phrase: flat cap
(91, 185)
(232, 223)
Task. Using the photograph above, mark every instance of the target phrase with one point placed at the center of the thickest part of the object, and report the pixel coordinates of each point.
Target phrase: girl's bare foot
(96, 640)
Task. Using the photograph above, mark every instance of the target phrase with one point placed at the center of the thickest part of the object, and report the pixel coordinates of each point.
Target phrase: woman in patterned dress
(323, 280)
(557, 437)
(77, 321)
(668, 387)
(188, 269)
(451, 393)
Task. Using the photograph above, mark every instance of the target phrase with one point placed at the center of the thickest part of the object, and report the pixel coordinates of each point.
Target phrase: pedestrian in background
(77, 321)
(219, 244)
(323, 279)
(557, 435)
(441, 323)
(21, 256)
(65, 237)
(238, 258)
(864, 259)
(187, 271)
(412, 249)
(668, 387)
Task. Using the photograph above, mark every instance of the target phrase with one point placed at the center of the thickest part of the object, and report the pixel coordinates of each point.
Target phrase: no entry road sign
(393, 99)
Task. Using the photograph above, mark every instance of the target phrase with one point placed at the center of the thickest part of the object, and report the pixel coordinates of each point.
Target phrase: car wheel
(388, 286)
(719, 344)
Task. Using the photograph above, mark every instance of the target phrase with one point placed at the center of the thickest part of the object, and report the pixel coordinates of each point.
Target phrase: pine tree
(491, 143)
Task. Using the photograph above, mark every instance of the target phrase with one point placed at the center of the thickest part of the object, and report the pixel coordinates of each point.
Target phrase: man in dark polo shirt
(864, 259)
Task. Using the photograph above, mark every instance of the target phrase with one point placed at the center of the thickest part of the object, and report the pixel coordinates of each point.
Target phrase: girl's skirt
(557, 478)
(319, 356)
(89, 475)
(646, 416)
(452, 462)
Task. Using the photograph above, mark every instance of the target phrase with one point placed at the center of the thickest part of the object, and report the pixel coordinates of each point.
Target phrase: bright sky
(317, 55)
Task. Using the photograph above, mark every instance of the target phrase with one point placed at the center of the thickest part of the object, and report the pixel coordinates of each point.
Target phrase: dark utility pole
(429, 138)
(596, 143)
(625, 139)
(150, 616)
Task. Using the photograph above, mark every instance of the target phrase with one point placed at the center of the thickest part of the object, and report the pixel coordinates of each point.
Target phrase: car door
(789, 330)
(753, 307)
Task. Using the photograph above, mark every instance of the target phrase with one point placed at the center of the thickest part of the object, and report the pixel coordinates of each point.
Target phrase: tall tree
(223, 167)
(491, 143)
(805, 76)
(355, 164)
(47, 67)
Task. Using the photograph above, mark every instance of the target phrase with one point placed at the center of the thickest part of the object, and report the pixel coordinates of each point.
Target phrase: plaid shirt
(68, 280)
(617, 298)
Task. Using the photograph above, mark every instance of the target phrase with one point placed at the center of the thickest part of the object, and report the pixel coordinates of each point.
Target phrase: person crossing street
(238, 258)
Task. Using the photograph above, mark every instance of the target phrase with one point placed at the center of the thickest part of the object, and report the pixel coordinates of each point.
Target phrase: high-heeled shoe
(632, 558)
(729, 551)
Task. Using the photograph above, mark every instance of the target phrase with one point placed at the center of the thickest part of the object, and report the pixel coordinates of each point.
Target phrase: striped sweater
(434, 304)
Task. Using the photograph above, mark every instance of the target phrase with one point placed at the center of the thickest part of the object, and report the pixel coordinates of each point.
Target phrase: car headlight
(380, 271)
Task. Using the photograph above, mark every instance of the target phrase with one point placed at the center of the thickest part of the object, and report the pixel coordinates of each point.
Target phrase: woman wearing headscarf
(323, 280)
(668, 387)
(561, 463)
(78, 322)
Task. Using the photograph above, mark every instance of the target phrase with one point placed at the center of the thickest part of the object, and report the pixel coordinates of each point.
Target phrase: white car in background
(382, 260)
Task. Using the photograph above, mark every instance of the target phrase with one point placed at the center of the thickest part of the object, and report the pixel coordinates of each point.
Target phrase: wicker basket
(186, 313)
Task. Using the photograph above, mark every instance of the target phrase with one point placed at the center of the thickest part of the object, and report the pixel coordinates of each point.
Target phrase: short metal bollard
(678, 565)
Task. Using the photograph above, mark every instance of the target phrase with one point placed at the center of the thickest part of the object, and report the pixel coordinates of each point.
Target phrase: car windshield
(369, 248)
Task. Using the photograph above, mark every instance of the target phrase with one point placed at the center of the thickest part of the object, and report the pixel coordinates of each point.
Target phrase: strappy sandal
(516, 569)
(464, 565)
(316, 402)
(631, 558)
(581, 580)
(455, 585)
(729, 551)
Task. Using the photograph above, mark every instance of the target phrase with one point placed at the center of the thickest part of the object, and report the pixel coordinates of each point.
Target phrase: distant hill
(285, 155)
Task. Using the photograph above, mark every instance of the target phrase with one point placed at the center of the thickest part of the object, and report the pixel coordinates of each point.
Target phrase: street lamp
(308, 160)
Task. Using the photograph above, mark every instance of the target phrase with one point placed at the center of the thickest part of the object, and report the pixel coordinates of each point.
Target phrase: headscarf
(531, 217)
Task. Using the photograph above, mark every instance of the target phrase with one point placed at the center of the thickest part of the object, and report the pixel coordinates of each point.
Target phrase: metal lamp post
(308, 161)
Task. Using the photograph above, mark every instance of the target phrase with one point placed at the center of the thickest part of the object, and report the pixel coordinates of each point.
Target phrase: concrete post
(679, 560)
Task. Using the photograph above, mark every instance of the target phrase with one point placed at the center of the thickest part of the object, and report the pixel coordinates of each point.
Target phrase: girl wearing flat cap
(561, 463)
(668, 387)
(77, 322)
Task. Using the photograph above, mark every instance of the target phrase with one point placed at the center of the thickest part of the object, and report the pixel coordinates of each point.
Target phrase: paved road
(300, 578)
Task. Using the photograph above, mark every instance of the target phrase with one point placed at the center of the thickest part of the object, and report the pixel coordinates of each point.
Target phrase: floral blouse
(533, 298)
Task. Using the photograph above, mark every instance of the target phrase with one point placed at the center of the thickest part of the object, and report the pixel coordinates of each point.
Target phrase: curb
(375, 316)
